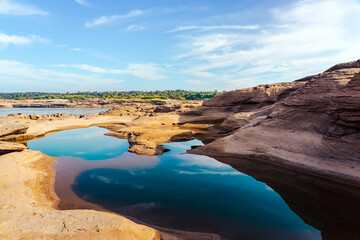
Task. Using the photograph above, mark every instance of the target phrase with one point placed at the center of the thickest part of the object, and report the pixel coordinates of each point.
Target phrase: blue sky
(79, 45)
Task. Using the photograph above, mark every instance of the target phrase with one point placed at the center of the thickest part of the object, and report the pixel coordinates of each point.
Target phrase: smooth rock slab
(7, 147)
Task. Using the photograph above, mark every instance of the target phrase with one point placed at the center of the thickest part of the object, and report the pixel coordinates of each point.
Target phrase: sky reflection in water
(175, 190)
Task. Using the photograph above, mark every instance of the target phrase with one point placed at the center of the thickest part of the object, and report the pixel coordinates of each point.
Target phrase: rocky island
(310, 125)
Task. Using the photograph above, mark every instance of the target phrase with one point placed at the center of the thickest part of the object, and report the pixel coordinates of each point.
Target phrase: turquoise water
(175, 190)
(6, 111)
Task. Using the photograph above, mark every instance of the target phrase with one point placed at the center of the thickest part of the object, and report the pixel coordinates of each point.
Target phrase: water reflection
(176, 190)
(88, 144)
(332, 208)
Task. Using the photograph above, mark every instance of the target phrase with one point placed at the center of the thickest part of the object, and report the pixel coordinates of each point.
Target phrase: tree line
(168, 94)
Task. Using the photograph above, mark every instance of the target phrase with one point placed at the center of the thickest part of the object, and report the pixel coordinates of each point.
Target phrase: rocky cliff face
(311, 125)
(345, 110)
(232, 110)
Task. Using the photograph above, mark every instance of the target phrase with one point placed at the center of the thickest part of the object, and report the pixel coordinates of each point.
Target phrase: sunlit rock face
(314, 128)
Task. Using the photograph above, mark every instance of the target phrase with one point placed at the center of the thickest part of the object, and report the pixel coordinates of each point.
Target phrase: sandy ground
(27, 200)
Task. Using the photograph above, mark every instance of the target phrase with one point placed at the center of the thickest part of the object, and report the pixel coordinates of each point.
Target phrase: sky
(118, 45)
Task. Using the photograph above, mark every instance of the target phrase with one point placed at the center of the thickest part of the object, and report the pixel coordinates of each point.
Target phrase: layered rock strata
(314, 129)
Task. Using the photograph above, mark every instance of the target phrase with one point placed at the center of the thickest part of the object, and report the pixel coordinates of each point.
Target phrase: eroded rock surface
(7, 147)
(315, 128)
(232, 110)
(88, 103)
(345, 110)
(146, 134)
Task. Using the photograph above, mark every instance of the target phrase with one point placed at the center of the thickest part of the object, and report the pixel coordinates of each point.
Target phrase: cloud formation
(133, 28)
(12, 8)
(6, 39)
(302, 39)
(198, 82)
(108, 19)
(19, 76)
(83, 3)
(145, 71)
(219, 27)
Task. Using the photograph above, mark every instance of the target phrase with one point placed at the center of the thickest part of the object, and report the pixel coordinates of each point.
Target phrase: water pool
(174, 190)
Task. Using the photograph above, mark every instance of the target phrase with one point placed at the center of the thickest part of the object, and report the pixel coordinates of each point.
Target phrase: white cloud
(18, 76)
(146, 71)
(302, 39)
(83, 3)
(218, 27)
(6, 39)
(204, 74)
(133, 28)
(91, 68)
(209, 172)
(198, 82)
(108, 19)
(12, 8)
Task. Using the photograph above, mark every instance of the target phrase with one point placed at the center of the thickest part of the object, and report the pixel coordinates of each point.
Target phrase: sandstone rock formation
(232, 110)
(314, 129)
(345, 110)
(88, 103)
(12, 129)
(7, 147)
(146, 134)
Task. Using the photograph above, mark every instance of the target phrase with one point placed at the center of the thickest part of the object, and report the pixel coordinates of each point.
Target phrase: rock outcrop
(89, 103)
(7, 147)
(232, 110)
(12, 129)
(8, 131)
(345, 110)
(146, 134)
(314, 128)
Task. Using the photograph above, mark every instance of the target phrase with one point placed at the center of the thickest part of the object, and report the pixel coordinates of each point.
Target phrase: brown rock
(185, 136)
(7, 147)
(12, 129)
(251, 98)
(314, 129)
(345, 110)
(166, 109)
